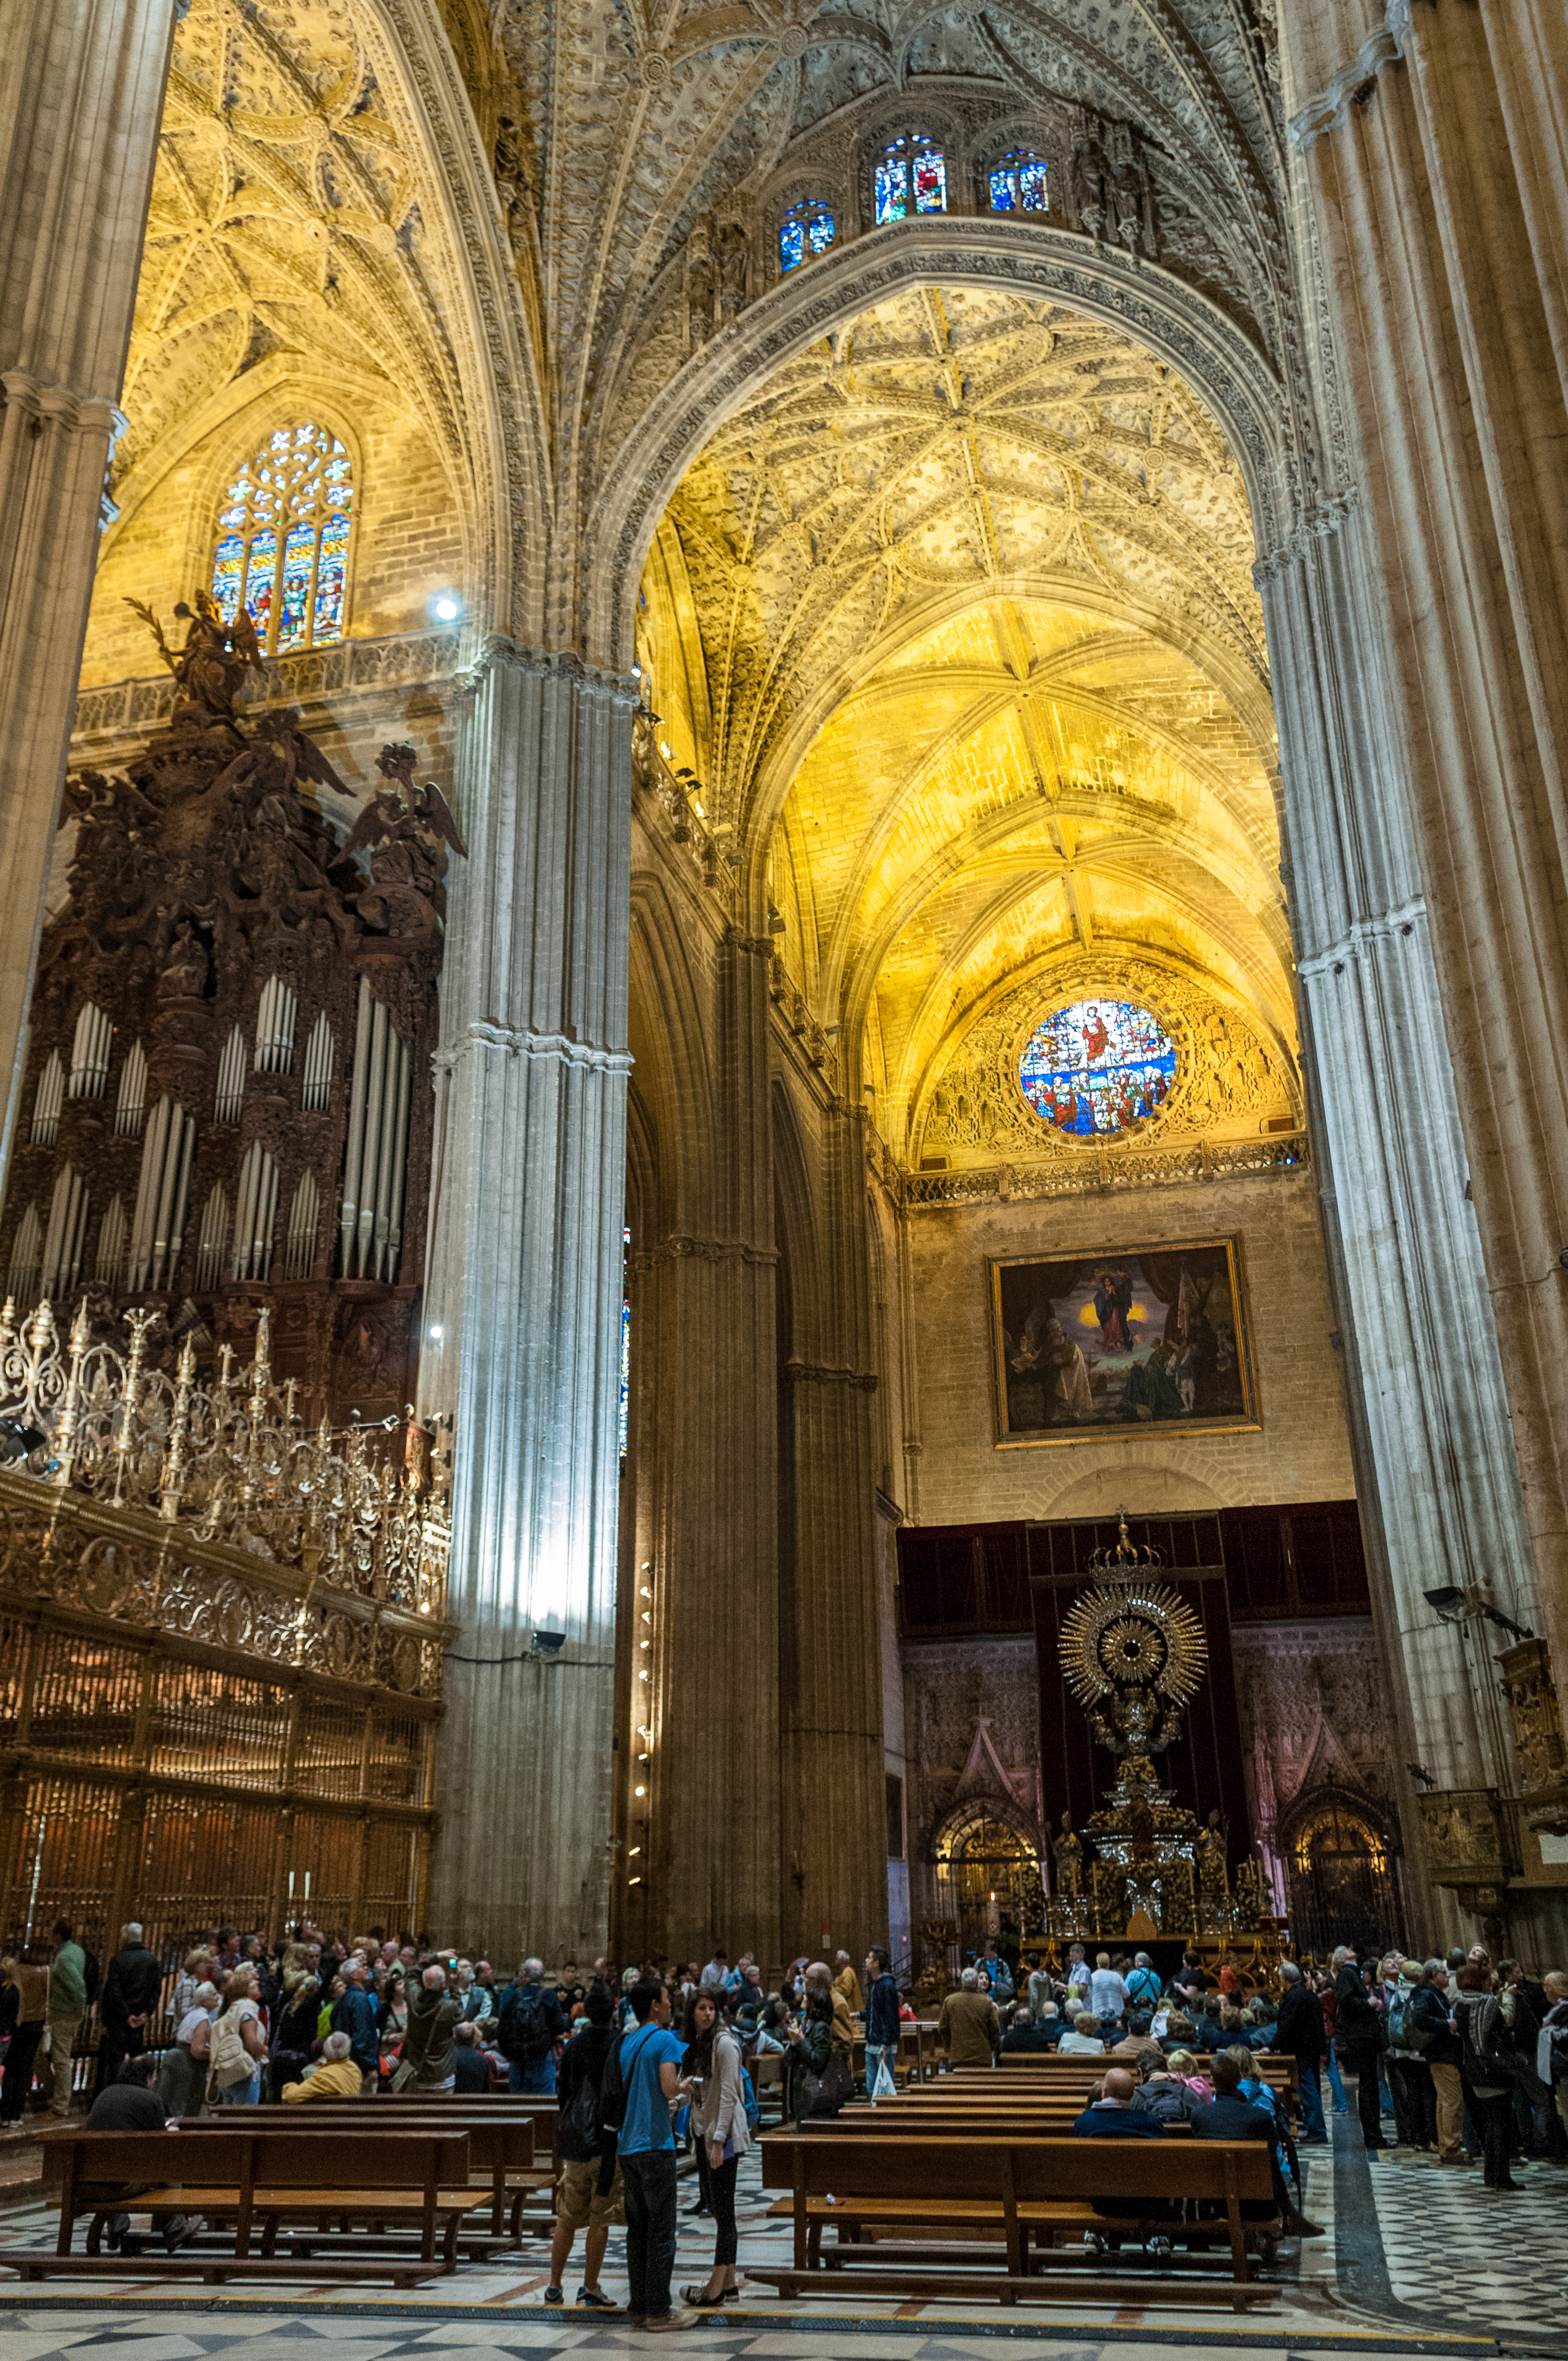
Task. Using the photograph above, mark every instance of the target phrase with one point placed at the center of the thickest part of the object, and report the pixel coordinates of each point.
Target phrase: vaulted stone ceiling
(299, 234)
(956, 626)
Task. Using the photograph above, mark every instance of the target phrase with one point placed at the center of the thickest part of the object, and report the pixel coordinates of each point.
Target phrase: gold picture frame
(1122, 1340)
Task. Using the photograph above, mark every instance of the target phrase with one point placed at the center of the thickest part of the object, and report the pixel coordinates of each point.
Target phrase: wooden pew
(1275, 2067)
(501, 2145)
(1012, 2188)
(261, 2178)
(767, 2072)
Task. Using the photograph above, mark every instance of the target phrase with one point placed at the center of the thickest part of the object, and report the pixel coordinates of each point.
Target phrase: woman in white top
(1083, 2041)
(237, 2043)
(711, 2080)
(182, 2077)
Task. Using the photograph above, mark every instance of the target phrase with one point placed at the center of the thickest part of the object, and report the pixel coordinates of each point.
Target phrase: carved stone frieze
(1535, 1710)
(406, 661)
(1467, 1844)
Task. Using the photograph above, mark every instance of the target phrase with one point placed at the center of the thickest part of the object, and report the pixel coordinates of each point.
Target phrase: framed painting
(1121, 1341)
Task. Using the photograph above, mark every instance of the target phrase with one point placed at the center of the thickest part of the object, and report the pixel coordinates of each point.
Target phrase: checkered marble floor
(1460, 2252)
(37, 2335)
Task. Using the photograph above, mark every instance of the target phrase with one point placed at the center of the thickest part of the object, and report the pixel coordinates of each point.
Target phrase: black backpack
(612, 2084)
(522, 2035)
(579, 2131)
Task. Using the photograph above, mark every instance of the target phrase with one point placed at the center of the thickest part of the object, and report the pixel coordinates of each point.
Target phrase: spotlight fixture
(548, 1644)
(17, 1439)
(1472, 1605)
(1425, 1777)
(446, 609)
(1450, 1603)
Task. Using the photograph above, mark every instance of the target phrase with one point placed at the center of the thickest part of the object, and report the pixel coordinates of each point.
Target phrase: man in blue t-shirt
(649, 2061)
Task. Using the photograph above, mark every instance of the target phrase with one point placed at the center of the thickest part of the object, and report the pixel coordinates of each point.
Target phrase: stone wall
(1302, 1452)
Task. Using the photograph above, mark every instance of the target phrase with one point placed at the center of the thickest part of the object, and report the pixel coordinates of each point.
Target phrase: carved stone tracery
(1231, 1079)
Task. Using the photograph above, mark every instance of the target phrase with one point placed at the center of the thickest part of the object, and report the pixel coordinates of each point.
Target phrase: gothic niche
(1108, 190)
(225, 1103)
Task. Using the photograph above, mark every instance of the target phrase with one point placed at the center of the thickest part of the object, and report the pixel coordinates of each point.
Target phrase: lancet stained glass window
(806, 230)
(1097, 1066)
(1018, 183)
(284, 551)
(911, 178)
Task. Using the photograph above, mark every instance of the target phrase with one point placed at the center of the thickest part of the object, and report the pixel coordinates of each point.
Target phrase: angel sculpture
(400, 836)
(214, 659)
(276, 756)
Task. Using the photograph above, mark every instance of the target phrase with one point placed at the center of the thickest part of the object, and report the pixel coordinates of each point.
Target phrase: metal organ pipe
(90, 1052)
(370, 1220)
(349, 1213)
(46, 1102)
(66, 1233)
(158, 1225)
(256, 1212)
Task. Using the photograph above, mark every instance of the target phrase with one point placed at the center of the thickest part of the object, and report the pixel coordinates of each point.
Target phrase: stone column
(708, 1428)
(522, 1313)
(79, 117)
(1439, 181)
(835, 1842)
(1435, 1462)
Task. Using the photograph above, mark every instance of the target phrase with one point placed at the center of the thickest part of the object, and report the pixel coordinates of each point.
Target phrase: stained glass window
(1098, 1066)
(807, 229)
(1018, 183)
(284, 546)
(911, 178)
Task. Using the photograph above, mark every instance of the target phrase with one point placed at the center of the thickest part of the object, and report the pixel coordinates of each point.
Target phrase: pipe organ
(225, 1107)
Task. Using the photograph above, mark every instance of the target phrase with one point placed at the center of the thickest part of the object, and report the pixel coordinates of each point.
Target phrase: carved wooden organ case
(226, 1100)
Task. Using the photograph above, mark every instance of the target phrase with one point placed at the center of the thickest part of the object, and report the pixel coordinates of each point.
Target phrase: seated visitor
(1113, 2116)
(1230, 2117)
(1084, 2040)
(1160, 2092)
(1185, 2069)
(470, 2067)
(1135, 2037)
(1024, 2034)
(130, 2103)
(338, 2076)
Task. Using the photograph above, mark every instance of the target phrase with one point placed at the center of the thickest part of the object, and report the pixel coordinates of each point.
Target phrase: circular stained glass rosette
(1097, 1067)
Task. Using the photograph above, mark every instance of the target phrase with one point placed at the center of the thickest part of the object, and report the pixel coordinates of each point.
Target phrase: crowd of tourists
(1460, 2056)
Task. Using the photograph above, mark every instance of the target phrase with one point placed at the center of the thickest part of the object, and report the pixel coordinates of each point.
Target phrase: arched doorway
(988, 1881)
(1341, 1888)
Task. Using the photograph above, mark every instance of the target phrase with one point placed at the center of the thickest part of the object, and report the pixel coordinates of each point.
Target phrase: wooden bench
(767, 2072)
(1275, 2067)
(501, 2146)
(261, 2179)
(1011, 2189)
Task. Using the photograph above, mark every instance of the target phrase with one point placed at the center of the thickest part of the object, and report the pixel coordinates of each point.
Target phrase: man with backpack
(531, 2023)
(1144, 1987)
(640, 2083)
(589, 2195)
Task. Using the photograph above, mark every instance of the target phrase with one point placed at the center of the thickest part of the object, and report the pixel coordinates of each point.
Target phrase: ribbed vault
(956, 626)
